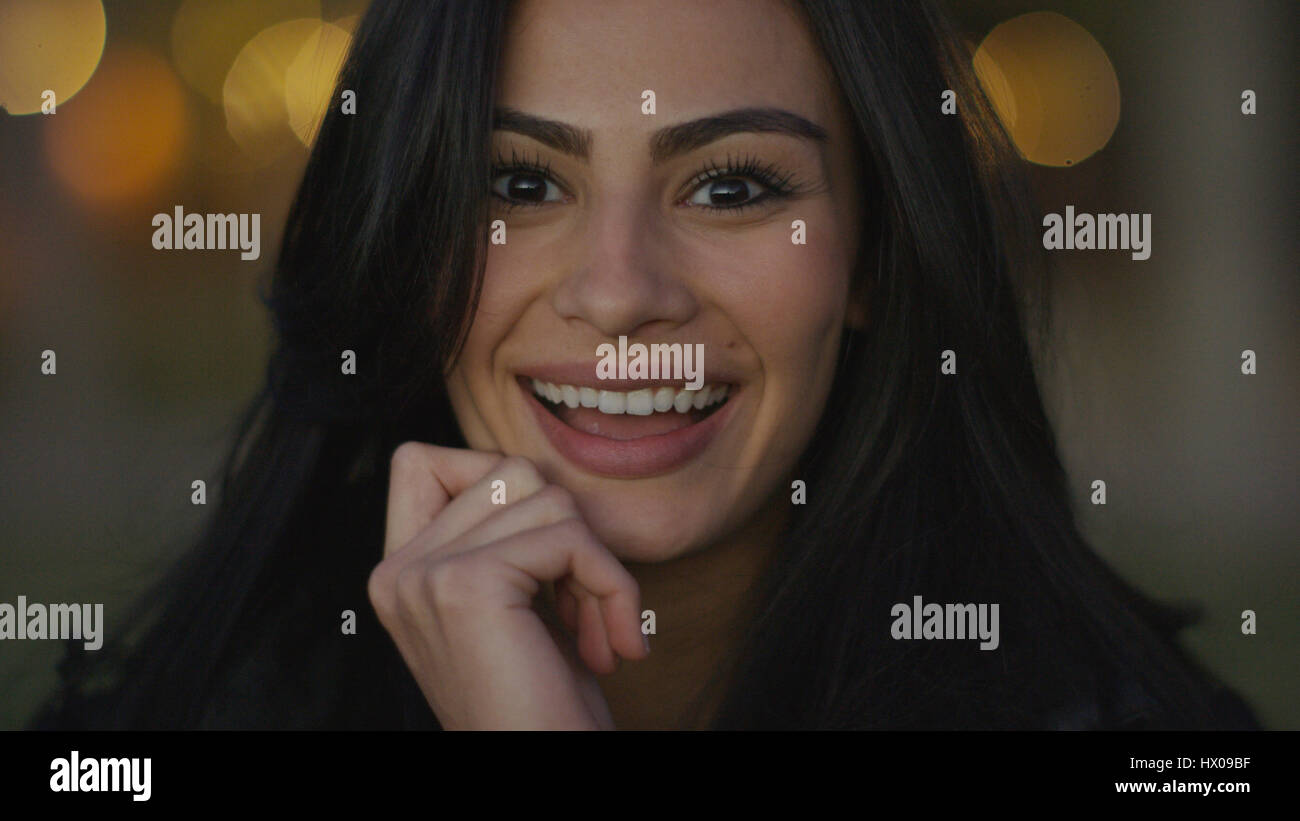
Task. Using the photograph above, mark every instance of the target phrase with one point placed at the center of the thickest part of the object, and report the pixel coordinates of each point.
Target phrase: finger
(566, 605)
(593, 641)
(546, 506)
(423, 479)
(642, 638)
(569, 548)
(473, 518)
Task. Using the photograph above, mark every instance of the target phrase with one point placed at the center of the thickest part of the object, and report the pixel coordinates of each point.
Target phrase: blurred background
(213, 104)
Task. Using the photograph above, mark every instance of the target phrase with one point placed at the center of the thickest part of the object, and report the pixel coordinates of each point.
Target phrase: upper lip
(583, 375)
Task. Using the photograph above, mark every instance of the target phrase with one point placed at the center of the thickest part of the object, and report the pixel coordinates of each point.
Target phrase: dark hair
(943, 486)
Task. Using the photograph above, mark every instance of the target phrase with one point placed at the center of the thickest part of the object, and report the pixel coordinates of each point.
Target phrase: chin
(637, 529)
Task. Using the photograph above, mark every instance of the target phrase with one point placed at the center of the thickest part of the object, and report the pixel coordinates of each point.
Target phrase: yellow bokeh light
(47, 44)
(1052, 85)
(997, 87)
(309, 80)
(206, 35)
(126, 135)
(254, 92)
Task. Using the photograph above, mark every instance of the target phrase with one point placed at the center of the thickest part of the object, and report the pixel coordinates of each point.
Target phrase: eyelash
(517, 165)
(777, 184)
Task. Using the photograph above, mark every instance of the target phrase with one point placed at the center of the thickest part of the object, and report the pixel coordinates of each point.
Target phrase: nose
(625, 278)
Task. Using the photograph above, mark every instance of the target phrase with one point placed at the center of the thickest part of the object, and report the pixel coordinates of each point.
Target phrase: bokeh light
(309, 80)
(47, 44)
(254, 93)
(207, 35)
(126, 135)
(1052, 85)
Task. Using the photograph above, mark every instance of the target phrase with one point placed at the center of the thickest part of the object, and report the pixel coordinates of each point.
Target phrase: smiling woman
(508, 514)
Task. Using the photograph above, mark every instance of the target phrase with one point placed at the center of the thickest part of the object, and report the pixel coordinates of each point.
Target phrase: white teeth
(613, 402)
(642, 402)
(664, 399)
(701, 398)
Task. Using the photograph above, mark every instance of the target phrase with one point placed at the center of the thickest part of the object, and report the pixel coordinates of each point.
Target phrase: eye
(727, 192)
(739, 183)
(525, 187)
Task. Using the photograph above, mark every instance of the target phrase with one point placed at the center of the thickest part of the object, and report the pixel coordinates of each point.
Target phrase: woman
(772, 181)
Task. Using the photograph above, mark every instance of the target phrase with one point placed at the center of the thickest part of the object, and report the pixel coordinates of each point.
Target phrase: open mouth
(623, 415)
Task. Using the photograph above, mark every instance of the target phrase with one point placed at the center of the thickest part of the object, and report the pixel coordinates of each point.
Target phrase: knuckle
(520, 468)
(514, 461)
(409, 588)
(450, 583)
(381, 587)
(557, 503)
(406, 456)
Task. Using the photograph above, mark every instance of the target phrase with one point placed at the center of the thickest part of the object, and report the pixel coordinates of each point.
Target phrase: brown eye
(740, 183)
(526, 187)
(727, 192)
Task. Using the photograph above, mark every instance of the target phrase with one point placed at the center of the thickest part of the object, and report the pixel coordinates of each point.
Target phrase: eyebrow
(560, 136)
(669, 141)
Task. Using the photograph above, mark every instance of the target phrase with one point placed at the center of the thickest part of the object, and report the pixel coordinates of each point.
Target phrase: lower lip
(630, 458)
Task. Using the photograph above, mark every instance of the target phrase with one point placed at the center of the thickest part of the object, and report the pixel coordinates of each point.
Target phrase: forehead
(588, 61)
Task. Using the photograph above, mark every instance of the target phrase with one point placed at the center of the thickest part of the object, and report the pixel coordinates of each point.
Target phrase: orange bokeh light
(1053, 87)
(126, 133)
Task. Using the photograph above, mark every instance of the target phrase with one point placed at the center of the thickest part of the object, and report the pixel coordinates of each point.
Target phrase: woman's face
(666, 225)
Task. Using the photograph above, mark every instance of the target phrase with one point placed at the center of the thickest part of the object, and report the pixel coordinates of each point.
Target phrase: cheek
(514, 275)
(511, 274)
(801, 308)
(796, 317)
(470, 383)
(467, 407)
(788, 300)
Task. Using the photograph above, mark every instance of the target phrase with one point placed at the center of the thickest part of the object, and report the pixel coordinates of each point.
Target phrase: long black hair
(946, 486)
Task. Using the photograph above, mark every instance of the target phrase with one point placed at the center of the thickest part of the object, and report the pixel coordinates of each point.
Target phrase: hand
(457, 584)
